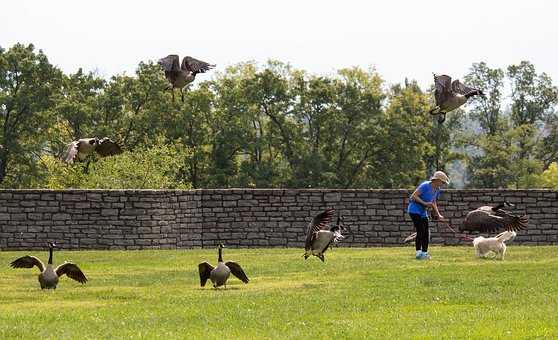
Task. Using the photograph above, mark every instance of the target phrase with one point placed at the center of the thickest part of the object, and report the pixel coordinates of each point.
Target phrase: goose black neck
(498, 207)
(50, 255)
(220, 255)
(473, 93)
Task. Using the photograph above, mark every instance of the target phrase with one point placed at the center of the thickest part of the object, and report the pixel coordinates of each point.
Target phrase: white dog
(496, 244)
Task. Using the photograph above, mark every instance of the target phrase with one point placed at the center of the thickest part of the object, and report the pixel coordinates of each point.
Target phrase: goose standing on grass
(220, 274)
(450, 95)
(49, 276)
(181, 75)
(319, 239)
(81, 148)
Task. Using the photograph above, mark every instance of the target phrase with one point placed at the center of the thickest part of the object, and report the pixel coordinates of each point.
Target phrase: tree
(533, 95)
(487, 111)
(191, 125)
(403, 149)
(352, 130)
(549, 178)
(27, 85)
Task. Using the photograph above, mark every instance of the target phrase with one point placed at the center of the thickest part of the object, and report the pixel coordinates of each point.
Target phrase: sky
(398, 38)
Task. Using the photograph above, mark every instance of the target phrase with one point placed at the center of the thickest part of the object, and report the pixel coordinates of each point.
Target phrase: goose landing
(319, 239)
(450, 95)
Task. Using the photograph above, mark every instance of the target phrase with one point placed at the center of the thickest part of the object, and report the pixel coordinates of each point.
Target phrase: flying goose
(489, 219)
(319, 239)
(83, 147)
(450, 95)
(220, 274)
(181, 75)
(494, 218)
(48, 278)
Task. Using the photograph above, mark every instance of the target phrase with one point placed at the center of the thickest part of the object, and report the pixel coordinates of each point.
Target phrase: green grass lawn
(356, 293)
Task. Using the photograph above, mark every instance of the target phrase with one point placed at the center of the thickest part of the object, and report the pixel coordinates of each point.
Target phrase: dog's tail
(410, 238)
(506, 236)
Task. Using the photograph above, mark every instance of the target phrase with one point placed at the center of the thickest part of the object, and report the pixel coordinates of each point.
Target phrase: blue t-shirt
(427, 194)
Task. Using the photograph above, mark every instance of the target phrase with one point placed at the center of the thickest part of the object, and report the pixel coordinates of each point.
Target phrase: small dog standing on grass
(495, 244)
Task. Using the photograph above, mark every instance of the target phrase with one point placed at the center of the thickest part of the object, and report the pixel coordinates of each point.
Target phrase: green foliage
(549, 177)
(271, 125)
(513, 149)
(28, 83)
(487, 111)
(157, 167)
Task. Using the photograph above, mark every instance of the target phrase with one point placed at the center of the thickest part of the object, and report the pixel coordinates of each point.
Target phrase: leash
(463, 236)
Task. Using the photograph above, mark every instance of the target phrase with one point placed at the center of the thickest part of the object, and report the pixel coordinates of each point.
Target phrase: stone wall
(161, 219)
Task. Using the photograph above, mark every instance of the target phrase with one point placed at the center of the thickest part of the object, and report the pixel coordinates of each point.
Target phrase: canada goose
(181, 75)
(48, 278)
(220, 274)
(494, 218)
(318, 239)
(489, 219)
(83, 147)
(450, 95)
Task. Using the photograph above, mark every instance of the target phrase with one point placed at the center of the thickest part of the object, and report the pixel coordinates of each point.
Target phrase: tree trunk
(3, 164)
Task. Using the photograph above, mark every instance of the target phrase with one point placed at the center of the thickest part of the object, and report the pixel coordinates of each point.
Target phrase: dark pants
(423, 233)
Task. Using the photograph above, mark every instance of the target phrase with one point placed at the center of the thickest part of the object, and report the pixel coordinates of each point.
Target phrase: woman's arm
(437, 214)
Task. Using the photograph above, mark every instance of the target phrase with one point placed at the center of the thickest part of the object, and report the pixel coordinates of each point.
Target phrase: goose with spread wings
(81, 148)
(49, 276)
(489, 218)
(318, 237)
(220, 274)
(450, 95)
(494, 218)
(180, 75)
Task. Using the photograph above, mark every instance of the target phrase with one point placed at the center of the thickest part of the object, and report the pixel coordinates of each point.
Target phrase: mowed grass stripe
(356, 293)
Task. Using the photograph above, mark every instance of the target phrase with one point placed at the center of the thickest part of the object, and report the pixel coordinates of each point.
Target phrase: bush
(148, 168)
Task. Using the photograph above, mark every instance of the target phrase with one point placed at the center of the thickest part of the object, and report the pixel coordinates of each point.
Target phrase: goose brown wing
(459, 87)
(442, 88)
(72, 271)
(482, 221)
(72, 152)
(318, 223)
(28, 262)
(237, 271)
(205, 271)
(513, 222)
(107, 147)
(195, 66)
(170, 63)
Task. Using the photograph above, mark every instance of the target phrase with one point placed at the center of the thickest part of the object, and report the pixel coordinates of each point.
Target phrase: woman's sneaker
(426, 256)
(418, 256)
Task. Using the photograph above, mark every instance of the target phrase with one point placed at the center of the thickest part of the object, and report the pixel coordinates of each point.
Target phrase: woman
(424, 199)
